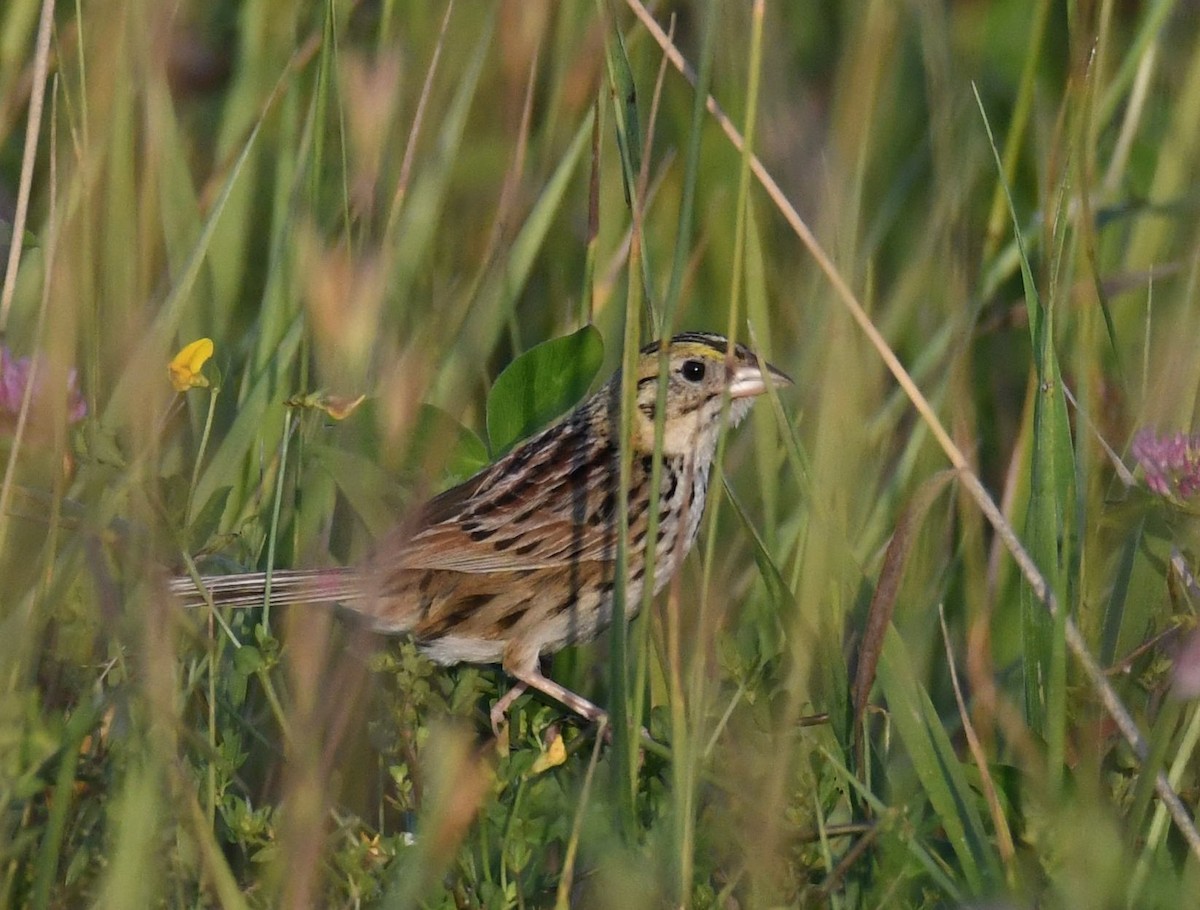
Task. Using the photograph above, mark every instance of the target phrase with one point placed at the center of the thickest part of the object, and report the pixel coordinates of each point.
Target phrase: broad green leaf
(540, 385)
(247, 660)
(458, 451)
(368, 490)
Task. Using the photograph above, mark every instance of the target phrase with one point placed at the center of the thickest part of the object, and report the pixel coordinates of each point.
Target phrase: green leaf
(439, 442)
(367, 488)
(540, 385)
(204, 525)
(247, 660)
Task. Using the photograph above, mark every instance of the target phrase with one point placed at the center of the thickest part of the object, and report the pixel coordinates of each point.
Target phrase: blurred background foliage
(397, 200)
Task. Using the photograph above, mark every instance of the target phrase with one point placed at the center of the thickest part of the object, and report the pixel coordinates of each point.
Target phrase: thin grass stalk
(623, 740)
(52, 240)
(204, 437)
(478, 319)
(664, 329)
(33, 128)
(1143, 44)
(685, 225)
(1152, 239)
(414, 132)
(1162, 732)
(704, 621)
(1060, 516)
(1147, 324)
(587, 298)
(273, 533)
(512, 176)
(329, 76)
(212, 858)
(89, 347)
(642, 669)
(736, 294)
(215, 649)
(562, 897)
(1135, 109)
(1156, 835)
(1088, 141)
(78, 726)
(1016, 128)
(971, 482)
(320, 109)
(835, 899)
(629, 145)
(999, 821)
(84, 124)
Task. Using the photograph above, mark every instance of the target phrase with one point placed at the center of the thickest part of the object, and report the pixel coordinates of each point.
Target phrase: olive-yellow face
(698, 375)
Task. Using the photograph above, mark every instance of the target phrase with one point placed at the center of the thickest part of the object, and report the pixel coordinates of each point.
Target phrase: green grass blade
(1052, 507)
(421, 219)
(498, 297)
(625, 106)
(155, 345)
(691, 169)
(938, 768)
(924, 856)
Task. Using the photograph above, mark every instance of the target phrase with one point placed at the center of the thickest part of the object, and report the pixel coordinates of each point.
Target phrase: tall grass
(967, 231)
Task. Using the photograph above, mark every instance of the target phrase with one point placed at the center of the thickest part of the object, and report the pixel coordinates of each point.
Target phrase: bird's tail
(290, 586)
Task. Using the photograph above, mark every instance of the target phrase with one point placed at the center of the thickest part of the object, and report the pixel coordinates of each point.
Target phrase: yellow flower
(554, 755)
(185, 367)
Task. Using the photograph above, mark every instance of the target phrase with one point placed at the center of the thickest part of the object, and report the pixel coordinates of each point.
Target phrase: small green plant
(280, 272)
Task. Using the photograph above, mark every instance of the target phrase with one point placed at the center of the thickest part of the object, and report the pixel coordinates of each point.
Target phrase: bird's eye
(693, 370)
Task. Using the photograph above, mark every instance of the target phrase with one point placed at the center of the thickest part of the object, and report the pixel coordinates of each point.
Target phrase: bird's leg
(532, 677)
(522, 665)
(528, 675)
(499, 713)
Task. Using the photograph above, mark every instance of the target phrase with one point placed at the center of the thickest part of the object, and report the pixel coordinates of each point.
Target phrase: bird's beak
(749, 381)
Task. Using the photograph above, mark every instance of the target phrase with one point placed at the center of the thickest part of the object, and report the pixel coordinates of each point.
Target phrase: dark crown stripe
(718, 343)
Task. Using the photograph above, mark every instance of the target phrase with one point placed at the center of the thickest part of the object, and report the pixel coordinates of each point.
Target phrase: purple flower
(14, 377)
(1171, 464)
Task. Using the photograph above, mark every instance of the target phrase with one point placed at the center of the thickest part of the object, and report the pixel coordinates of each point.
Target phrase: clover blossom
(1170, 463)
(14, 379)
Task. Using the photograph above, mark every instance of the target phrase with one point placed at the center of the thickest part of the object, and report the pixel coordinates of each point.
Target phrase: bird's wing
(544, 505)
(527, 535)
